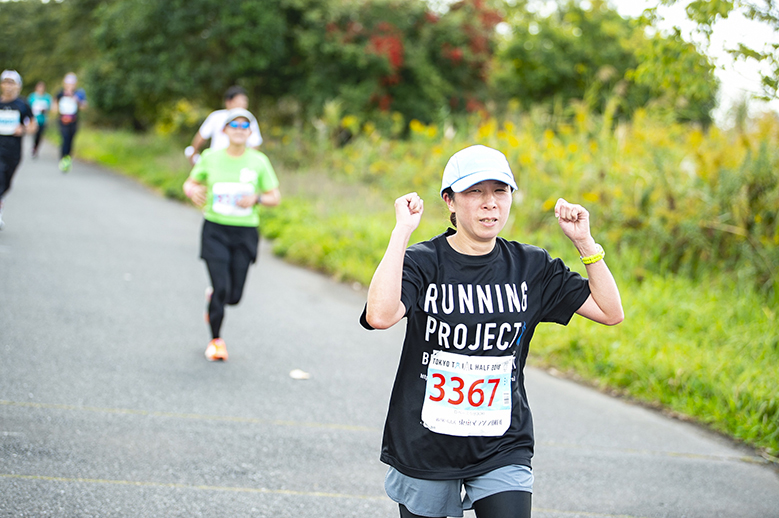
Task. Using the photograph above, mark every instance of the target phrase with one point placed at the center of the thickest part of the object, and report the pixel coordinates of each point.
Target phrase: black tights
(227, 279)
(38, 135)
(68, 132)
(509, 504)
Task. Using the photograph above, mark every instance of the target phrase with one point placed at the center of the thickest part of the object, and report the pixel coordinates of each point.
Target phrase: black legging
(7, 169)
(38, 135)
(509, 504)
(68, 131)
(227, 279)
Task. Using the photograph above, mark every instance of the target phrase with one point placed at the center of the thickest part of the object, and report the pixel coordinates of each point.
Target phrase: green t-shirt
(228, 179)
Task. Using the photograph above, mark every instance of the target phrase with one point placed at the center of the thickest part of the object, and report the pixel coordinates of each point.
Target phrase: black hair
(233, 91)
(452, 216)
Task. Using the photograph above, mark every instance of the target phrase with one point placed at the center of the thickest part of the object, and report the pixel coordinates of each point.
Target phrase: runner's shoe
(65, 164)
(209, 294)
(216, 350)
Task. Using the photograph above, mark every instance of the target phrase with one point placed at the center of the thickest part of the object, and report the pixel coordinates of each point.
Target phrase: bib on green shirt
(228, 179)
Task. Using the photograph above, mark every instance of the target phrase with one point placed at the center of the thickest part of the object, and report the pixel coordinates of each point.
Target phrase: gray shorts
(451, 497)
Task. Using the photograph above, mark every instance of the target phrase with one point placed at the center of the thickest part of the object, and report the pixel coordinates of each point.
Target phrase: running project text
(467, 299)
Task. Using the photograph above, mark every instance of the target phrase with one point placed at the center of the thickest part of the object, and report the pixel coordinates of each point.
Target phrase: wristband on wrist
(597, 256)
(189, 151)
(259, 199)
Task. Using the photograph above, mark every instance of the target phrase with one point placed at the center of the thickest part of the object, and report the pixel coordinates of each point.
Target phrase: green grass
(702, 346)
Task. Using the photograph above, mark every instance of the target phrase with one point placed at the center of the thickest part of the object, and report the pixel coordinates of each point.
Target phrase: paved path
(108, 408)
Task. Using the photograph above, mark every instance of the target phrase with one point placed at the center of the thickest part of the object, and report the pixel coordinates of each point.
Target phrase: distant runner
(230, 184)
(16, 118)
(40, 102)
(70, 102)
(212, 128)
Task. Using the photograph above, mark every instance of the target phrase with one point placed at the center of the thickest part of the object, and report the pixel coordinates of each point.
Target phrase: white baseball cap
(13, 75)
(475, 164)
(239, 112)
(70, 79)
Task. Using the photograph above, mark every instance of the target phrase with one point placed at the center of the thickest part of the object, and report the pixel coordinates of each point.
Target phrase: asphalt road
(108, 408)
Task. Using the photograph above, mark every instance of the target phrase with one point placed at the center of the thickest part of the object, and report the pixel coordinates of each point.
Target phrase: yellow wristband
(599, 254)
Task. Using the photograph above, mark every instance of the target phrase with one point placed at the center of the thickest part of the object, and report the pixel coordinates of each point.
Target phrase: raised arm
(604, 304)
(384, 308)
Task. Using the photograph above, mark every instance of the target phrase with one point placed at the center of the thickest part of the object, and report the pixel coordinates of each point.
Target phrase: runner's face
(482, 209)
(238, 135)
(8, 88)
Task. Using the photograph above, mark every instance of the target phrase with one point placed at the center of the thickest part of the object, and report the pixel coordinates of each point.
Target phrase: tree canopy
(370, 56)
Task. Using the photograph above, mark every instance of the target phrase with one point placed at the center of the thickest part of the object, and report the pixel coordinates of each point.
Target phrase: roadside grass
(704, 346)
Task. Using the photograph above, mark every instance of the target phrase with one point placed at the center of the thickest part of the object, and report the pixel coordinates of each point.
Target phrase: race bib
(68, 105)
(9, 121)
(226, 196)
(39, 106)
(468, 395)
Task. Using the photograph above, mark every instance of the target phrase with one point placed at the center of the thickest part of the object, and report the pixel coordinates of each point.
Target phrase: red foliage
(388, 45)
(474, 105)
(453, 54)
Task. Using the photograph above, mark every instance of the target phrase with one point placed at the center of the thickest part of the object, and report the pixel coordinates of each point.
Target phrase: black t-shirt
(458, 407)
(12, 114)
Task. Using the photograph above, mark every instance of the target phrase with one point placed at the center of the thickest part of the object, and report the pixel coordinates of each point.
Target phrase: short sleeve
(267, 180)
(207, 128)
(412, 283)
(199, 173)
(564, 292)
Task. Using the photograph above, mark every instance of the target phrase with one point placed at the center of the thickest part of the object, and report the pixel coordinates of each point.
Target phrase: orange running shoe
(216, 350)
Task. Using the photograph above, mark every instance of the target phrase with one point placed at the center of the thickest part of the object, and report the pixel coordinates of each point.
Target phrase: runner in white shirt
(213, 127)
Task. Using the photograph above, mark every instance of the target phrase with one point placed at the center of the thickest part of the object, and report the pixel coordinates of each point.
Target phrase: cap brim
(237, 113)
(472, 179)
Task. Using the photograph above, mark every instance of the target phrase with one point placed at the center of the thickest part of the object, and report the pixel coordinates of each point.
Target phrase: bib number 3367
(468, 395)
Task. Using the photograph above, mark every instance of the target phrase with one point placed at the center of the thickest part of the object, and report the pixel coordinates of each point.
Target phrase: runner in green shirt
(229, 184)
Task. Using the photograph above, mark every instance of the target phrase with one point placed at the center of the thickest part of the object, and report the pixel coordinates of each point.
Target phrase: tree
(595, 54)
(397, 55)
(705, 13)
(153, 53)
(53, 36)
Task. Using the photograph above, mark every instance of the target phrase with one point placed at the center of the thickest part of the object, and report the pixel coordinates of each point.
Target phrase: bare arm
(268, 198)
(195, 191)
(197, 144)
(604, 304)
(384, 308)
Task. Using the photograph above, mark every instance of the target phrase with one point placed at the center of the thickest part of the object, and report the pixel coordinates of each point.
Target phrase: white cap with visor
(240, 112)
(476, 164)
(13, 75)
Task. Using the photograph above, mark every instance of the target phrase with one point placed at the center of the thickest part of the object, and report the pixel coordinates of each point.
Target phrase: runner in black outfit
(16, 118)
(458, 415)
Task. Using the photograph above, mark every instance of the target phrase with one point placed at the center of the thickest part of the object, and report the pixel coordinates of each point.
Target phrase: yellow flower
(591, 197)
(416, 126)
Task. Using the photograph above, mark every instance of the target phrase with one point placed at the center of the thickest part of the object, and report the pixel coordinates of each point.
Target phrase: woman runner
(458, 418)
(71, 101)
(40, 102)
(230, 184)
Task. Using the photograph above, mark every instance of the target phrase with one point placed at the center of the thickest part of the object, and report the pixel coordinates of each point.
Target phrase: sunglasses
(236, 124)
